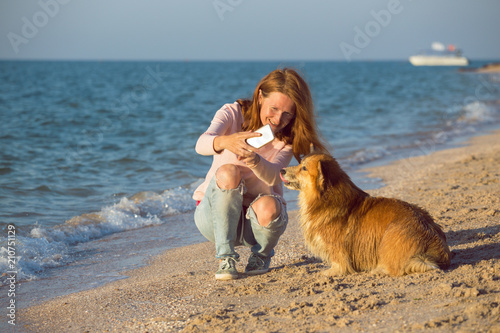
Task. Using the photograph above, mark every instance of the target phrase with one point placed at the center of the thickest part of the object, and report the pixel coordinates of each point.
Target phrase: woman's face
(277, 110)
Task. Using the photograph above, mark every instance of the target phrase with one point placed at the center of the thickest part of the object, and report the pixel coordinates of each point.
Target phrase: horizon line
(222, 60)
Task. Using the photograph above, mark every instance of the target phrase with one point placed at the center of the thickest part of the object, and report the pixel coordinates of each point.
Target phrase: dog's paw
(335, 270)
(379, 271)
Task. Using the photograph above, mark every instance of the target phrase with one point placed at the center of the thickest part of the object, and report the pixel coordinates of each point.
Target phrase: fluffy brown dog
(355, 232)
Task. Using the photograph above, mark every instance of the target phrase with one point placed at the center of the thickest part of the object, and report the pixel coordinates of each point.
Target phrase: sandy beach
(177, 291)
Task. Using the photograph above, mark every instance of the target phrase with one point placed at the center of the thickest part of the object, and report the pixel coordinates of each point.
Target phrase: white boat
(440, 56)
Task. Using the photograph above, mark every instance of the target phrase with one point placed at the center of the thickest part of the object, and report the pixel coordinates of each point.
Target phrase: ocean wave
(42, 247)
(462, 120)
(478, 112)
(367, 155)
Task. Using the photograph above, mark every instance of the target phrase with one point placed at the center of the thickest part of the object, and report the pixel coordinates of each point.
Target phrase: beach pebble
(492, 212)
(466, 292)
(445, 287)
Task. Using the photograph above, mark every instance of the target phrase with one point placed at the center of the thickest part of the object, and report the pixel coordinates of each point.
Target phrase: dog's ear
(312, 149)
(320, 180)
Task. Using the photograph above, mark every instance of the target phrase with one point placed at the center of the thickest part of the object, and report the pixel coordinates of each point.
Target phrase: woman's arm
(217, 137)
(269, 171)
(220, 125)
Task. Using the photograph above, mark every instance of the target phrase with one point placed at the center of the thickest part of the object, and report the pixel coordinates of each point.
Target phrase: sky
(156, 30)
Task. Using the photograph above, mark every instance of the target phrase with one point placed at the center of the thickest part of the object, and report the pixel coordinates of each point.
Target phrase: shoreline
(176, 290)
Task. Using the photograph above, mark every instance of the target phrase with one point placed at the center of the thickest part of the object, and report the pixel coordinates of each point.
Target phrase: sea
(98, 166)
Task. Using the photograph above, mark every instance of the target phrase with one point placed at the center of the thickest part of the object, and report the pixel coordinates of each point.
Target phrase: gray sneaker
(257, 264)
(227, 269)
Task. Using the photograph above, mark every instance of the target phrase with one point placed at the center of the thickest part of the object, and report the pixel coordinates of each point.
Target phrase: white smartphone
(259, 141)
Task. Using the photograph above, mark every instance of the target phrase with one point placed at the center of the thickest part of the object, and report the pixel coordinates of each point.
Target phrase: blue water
(92, 150)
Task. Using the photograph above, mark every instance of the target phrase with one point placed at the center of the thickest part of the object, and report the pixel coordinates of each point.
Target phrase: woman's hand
(236, 143)
(251, 160)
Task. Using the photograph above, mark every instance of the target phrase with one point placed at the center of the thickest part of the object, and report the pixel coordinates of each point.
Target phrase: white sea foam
(46, 247)
(477, 112)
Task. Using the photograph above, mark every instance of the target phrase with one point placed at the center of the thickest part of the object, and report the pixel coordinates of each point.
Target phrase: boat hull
(438, 61)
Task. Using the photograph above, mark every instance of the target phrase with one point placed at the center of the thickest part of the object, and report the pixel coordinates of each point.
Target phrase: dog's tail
(420, 263)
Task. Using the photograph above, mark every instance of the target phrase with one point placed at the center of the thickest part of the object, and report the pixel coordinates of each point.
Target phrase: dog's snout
(283, 171)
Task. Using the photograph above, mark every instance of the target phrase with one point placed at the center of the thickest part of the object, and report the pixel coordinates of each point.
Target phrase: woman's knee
(228, 177)
(267, 209)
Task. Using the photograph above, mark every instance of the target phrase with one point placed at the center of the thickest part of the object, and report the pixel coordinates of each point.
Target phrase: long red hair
(301, 131)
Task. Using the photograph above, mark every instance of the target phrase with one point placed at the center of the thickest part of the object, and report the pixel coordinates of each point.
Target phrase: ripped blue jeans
(222, 219)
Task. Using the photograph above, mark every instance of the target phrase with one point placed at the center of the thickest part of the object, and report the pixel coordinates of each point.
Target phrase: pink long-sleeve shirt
(262, 178)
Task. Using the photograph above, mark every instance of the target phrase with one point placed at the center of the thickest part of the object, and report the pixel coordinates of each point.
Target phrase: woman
(241, 200)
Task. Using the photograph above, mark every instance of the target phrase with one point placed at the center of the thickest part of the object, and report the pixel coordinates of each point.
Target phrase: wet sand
(460, 187)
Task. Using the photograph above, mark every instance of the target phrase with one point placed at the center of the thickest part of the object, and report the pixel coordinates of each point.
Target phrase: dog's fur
(354, 232)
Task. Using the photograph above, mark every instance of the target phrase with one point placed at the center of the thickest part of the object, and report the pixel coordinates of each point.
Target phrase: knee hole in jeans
(266, 209)
(228, 177)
